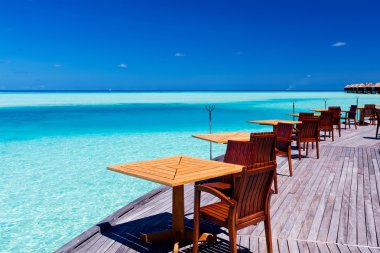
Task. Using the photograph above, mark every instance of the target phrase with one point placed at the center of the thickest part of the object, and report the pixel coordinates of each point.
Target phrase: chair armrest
(218, 185)
(216, 193)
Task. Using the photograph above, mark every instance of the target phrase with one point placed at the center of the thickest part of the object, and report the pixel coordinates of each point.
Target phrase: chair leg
(377, 131)
(299, 150)
(290, 161)
(232, 234)
(307, 149)
(275, 182)
(268, 235)
(356, 124)
(339, 127)
(332, 134)
(317, 145)
(196, 221)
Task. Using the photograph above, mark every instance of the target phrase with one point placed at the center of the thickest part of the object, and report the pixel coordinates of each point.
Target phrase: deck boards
(331, 204)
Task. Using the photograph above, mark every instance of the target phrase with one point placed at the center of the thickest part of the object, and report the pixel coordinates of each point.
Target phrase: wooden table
(175, 172)
(223, 138)
(274, 122)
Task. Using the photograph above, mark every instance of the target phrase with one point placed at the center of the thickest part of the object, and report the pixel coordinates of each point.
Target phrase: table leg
(177, 233)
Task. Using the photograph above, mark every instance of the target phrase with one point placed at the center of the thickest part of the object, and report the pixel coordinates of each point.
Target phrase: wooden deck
(330, 205)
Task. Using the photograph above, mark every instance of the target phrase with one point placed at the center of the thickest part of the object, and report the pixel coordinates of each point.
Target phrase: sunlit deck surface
(329, 205)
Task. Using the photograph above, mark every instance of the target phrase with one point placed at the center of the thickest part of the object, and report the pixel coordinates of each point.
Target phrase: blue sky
(188, 45)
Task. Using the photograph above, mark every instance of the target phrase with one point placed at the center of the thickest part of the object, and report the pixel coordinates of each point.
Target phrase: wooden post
(210, 108)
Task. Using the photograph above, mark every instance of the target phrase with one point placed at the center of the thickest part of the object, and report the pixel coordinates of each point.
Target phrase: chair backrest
(284, 136)
(337, 111)
(372, 106)
(253, 193)
(284, 131)
(352, 113)
(305, 115)
(266, 144)
(369, 109)
(241, 152)
(326, 119)
(310, 128)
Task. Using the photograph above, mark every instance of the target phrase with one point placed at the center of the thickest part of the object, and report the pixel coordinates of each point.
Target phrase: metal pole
(325, 99)
(210, 108)
(293, 102)
(357, 104)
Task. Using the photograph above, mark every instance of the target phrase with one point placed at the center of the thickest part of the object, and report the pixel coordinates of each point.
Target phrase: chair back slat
(266, 143)
(254, 190)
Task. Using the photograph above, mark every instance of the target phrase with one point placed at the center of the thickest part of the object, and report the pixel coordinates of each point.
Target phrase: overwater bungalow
(364, 88)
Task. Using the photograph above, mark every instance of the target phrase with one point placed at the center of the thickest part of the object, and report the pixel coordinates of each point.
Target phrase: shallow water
(54, 148)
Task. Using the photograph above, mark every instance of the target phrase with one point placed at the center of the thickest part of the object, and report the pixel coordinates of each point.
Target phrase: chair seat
(217, 211)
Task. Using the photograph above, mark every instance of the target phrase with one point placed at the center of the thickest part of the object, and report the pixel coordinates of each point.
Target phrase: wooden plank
(293, 246)
(352, 215)
(370, 221)
(302, 246)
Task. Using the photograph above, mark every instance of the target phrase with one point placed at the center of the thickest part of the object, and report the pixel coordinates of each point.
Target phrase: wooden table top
(176, 170)
(319, 109)
(224, 137)
(274, 122)
(297, 114)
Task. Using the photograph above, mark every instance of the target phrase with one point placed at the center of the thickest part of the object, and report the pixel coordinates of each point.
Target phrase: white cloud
(122, 65)
(56, 65)
(339, 44)
(179, 54)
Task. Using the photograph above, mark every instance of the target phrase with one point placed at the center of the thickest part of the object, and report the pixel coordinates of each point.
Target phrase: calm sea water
(54, 148)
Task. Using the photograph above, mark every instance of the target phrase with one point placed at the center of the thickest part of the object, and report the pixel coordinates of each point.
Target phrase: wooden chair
(337, 116)
(240, 153)
(351, 115)
(266, 150)
(326, 123)
(308, 133)
(284, 142)
(368, 112)
(249, 206)
(237, 152)
(377, 111)
(302, 116)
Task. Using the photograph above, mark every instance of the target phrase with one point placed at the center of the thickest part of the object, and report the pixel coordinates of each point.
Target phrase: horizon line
(154, 90)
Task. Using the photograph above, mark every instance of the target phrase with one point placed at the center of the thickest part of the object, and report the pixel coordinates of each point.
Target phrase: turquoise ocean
(55, 146)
